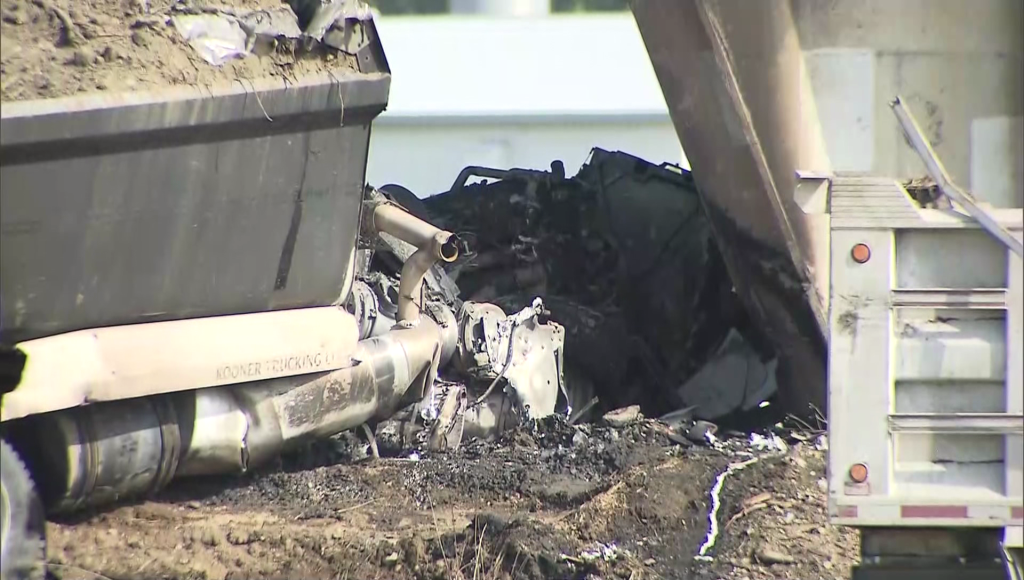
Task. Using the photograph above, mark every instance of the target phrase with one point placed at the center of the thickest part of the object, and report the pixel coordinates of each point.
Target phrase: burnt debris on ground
(579, 308)
(623, 257)
(545, 500)
(574, 296)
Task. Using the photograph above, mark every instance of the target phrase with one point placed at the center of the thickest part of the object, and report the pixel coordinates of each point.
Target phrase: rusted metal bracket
(951, 190)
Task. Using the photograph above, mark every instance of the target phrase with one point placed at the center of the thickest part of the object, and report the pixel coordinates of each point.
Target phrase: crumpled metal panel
(519, 349)
(143, 207)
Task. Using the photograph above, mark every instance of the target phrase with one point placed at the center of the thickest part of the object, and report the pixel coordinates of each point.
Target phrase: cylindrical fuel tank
(759, 91)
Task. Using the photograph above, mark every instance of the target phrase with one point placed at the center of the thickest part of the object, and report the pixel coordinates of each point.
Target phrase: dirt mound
(124, 45)
(550, 500)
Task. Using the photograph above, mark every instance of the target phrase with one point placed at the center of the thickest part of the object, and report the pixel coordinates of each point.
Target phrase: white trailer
(926, 391)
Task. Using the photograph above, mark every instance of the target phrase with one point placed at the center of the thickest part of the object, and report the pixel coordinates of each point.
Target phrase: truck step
(983, 571)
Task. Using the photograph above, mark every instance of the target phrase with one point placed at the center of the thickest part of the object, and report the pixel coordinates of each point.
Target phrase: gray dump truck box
(760, 92)
(189, 202)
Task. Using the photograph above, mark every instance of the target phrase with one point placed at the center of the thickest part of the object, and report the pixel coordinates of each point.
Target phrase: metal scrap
(220, 34)
(449, 425)
(735, 379)
(521, 351)
(938, 173)
(318, 15)
(516, 344)
(217, 38)
(624, 258)
(619, 301)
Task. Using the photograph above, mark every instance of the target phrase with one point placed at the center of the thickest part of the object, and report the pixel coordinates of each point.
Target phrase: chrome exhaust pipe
(431, 243)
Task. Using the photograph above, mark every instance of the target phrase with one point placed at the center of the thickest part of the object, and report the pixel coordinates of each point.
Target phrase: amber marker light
(859, 473)
(861, 253)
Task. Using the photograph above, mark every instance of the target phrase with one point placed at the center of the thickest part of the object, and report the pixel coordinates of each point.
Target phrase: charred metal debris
(619, 298)
(532, 298)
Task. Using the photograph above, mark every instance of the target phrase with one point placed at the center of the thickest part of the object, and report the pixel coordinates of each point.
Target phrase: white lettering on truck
(285, 365)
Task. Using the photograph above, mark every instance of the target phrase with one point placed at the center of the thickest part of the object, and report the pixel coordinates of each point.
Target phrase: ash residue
(549, 500)
(588, 450)
(314, 492)
(545, 463)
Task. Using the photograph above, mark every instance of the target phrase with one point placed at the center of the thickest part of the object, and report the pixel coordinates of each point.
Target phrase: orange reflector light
(861, 253)
(859, 473)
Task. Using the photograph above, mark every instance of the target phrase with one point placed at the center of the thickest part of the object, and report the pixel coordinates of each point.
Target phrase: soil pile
(550, 500)
(56, 48)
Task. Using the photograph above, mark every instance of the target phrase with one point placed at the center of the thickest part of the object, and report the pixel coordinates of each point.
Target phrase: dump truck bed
(759, 91)
(926, 381)
(185, 202)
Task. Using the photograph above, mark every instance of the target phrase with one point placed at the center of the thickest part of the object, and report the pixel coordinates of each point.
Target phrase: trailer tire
(22, 520)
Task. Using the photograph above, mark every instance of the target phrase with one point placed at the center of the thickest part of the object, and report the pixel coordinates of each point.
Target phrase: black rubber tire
(22, 520)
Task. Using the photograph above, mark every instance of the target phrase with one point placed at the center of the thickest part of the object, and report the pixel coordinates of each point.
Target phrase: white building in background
(514, 92)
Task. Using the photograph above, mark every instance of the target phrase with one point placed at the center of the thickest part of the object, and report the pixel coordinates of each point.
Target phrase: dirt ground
(548, 501)
(120, 46)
